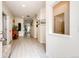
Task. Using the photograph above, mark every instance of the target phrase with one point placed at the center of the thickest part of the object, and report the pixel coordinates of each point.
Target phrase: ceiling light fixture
(23, 5)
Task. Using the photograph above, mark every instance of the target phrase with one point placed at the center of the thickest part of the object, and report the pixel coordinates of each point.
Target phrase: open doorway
(27, 28)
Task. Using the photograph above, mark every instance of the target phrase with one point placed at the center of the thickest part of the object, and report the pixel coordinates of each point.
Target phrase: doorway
(27, 29)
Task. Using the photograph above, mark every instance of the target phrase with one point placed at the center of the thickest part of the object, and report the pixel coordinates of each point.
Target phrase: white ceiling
(32, 7)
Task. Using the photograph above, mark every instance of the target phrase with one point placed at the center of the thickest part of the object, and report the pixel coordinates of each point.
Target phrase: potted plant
(14, 32)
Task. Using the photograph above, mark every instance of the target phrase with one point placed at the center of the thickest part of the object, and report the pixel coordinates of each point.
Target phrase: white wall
(0, 49)
(9, 22)
(0, 17)
(42, 27)
(62, 45)
(40, 31)
(20, 20)
(34, 28)
(9, 29)
(0, 29)
(74, 27)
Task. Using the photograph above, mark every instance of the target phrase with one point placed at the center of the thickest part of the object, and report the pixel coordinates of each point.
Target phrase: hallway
(27, 47)
(39, 29)
(24, 20)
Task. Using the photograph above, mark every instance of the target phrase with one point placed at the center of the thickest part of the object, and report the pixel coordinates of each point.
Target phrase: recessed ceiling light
(23, 5)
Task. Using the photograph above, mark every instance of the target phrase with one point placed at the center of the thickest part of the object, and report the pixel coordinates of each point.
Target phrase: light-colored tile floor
(27, 48)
